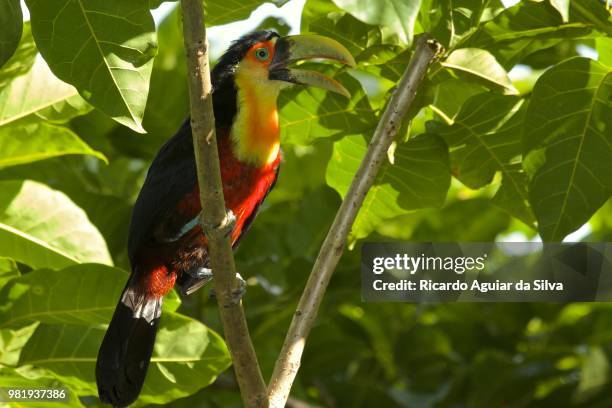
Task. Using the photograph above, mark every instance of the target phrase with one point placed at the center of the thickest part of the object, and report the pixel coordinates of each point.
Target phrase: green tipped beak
(304, 47)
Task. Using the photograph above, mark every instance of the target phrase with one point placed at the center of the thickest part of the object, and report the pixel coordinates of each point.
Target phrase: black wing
(171, 176)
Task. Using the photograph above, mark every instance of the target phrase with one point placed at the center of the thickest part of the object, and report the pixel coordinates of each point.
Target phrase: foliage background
(529, 158)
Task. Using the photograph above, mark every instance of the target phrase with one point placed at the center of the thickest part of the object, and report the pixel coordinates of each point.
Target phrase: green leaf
(22, 59)
(594, 13)
(310, 113)
(523, 29)
(83, 294)
(325, 18)
(396, 17)
(485, 138)
(594, 376)
(451, 21)
(568, 144)
(419, 177)
(481, 66)
(8, 270)
(449, 95)
(32, 379)
(187, 357)
(39, 94)
(41, 227)
(104, 48)
(28, 142)
(512, 195)
(562, 7)
(448, 224)
(604, 49)
(223, 12)
(11, 25)
(12, 342)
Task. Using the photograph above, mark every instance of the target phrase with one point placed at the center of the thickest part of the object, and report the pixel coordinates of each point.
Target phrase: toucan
(166, 245)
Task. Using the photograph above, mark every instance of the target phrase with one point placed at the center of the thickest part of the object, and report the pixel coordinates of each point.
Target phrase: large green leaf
(104, 48)
(310, 113)
(85, 294)
(480, 66)
(11, 25)
(79, 295)
(25, 100)
(418, 177)
(187, 357)
(396, 17)
(522, 29)
(568, 145)
(28, 142)
(485, 138)
(41, 227)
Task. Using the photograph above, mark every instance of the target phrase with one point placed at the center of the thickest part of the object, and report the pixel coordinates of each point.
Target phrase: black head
(267, 56)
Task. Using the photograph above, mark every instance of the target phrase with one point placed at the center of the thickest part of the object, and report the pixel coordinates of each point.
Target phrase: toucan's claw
(230, 223)
(195, 279)
(236, 294)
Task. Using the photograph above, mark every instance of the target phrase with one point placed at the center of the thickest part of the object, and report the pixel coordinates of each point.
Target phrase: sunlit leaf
(485, 138)
(562, 7)
(419, 177)
(568, 144)
(104, 48)
(28, 142)
(12, 342)
(187, 357)
(41, 227)
(396, 17)
(310, 113)
(604, 49)
(84, 294)
(481, 66)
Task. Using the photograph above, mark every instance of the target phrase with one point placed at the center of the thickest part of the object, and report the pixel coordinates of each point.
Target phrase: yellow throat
(255, 132)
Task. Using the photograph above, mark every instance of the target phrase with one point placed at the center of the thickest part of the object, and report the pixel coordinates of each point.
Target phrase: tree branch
(214, 220)
(288, 362)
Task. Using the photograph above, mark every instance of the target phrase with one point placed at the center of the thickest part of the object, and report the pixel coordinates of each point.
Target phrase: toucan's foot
(236, 294)
(195, 279)
(229, 225)
(226, 227)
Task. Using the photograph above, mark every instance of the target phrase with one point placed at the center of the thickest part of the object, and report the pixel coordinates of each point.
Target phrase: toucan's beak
(304, 47)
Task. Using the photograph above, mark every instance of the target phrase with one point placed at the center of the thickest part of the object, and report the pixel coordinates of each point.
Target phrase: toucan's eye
(262, 54)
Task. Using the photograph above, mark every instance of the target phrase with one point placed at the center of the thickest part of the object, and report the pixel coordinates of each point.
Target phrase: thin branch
(288, 362)
(214, 220)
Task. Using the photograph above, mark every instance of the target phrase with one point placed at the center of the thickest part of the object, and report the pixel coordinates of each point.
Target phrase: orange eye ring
(262, 53)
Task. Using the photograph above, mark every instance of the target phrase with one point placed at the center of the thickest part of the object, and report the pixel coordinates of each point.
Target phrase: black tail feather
(126, 350)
